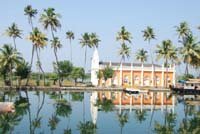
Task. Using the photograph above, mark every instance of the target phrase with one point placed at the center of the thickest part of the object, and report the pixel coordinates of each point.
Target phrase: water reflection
(100, 112)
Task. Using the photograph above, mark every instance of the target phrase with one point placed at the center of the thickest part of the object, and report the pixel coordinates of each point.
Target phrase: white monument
(95, 67)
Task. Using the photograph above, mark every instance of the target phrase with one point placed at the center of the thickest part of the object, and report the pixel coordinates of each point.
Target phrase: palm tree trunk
(14, 43)
(186, 69)
(85, 57)
(166, 79)
(70, 49)
(11, 83)
(38, 58)
(55, 53)
(152, 62)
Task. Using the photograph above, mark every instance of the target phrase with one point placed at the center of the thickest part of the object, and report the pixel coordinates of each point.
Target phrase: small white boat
(7, 107)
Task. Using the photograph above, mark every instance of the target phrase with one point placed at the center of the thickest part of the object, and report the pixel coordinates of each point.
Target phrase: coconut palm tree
(50, 19)
(183, 30)
(85, 42)
(94, 39)
(56, 44)
(123, 36)
(14, 32)
(141, 55)
(70, 36)
(166, 51)
(148, 35)
(30, 13)
(10, 58)
(123, 119)
(189, 51)
(39, 41)
(124, 52)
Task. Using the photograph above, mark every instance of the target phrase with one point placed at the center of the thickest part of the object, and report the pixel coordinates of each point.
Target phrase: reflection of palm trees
(106, 105)
(77, 96)
(8, 121)
(140, 115)
(87, 128)
(123, 119)
(53, 122)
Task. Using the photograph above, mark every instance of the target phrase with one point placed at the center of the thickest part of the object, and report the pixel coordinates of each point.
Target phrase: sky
(105, 18)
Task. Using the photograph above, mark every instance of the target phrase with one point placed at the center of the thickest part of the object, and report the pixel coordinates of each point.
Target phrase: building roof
(127, 64)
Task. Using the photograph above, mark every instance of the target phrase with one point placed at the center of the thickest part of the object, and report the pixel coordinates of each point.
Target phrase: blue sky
(105, 17)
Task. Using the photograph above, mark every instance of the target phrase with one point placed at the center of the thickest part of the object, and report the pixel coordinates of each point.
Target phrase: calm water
(99, 113)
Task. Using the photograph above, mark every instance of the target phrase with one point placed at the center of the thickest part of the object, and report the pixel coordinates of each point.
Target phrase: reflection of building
(93, 107)
(132, 74)
(150, 100)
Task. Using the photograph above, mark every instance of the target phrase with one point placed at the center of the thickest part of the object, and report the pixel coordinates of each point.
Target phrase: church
(133, 74)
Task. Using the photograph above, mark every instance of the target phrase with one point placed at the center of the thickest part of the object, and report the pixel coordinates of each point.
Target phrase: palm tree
(39, 40)
(10, 58)
(124, 52)
(141, 55)
(50, 19)
(30, 13)
(123, 35)
(14, 32)
(166, 51)
(85, 42)
(183, 30)
(94, 39)
(70, 36)
(140, 115)
(148, 35)
(189, 51)
(56, 44)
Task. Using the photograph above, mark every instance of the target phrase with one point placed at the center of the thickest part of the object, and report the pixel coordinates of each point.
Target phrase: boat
(134, 91)
(190, 87)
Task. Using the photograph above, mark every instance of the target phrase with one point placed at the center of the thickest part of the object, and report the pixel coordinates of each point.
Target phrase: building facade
(133, 74)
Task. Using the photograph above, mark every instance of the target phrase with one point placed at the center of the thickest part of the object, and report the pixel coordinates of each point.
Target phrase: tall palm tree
(30, 13)
(148, 35)
(124, 52)
(70, 36)
(10, 58)
(183, 30)
(189, 51)
(141, 55)
(123, 119)
(123, 36)
(50, 20)
(14, 32)
(85, 42)
(39, 40)
(56, 44)
(167, 51)
(94, 39)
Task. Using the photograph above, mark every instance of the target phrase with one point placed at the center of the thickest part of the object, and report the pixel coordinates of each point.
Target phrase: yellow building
(133, 74)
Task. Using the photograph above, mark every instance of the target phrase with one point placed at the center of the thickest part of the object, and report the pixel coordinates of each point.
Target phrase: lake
(102, 112)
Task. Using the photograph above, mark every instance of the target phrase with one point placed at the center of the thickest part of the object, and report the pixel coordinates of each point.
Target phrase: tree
(168, 52)
(14, 32)
(94, 39)
(77, 72)
(22, 71)
(108, 72)
(39, 40)
(85, 42)
(141, 56)
(123, 119)
(56, 44)
(30, 13)
(124, 36)
(140, 115)
(50, 20)
(70, 36)
(53, 122)
(148, 35)
(183, 30)
(10, 58)
(189, 51)
(87, 127)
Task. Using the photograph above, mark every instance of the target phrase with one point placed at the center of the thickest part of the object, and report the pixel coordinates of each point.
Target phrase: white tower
(95, 67)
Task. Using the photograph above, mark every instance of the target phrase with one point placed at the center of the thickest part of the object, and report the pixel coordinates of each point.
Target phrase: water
(99, 113)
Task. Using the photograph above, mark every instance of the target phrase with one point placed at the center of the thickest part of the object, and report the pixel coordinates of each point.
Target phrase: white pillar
(152, 102)
(152, 76)
(120, 76)
(173, 103)
(120, 102)
(131, 100)
(162, 78)
(131, 74)
(142, 75)
(162, 101)
(141, 102)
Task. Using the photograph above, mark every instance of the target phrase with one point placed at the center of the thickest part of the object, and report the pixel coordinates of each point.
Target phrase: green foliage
(186, 77)
(77, 96)
(87, 128)
(53, 122)
(77, 73)
(108, 72)
(63, 109)
(23, 70)
(65, 68)
(106, 105)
